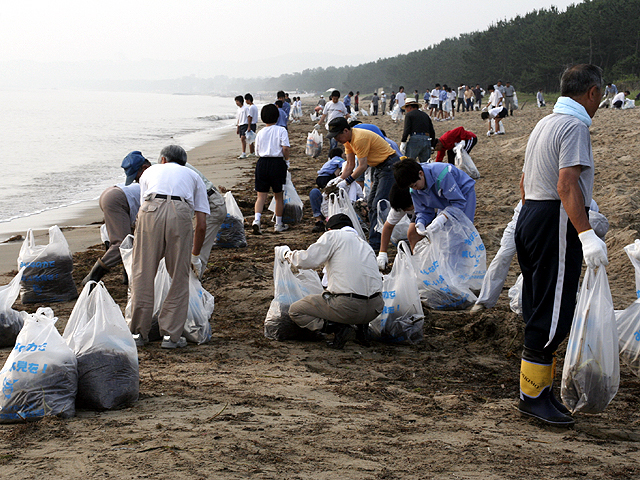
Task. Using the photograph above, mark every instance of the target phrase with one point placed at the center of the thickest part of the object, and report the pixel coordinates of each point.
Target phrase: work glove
(334, 181)
(594, 250)
(420, 230)
(436, 225)
(343, 184)
(383, 260)
(196, 265)
(316, 126)
(403, 147)
(282, 253)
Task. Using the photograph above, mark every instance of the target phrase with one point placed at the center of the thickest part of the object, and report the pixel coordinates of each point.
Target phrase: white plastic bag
(463, 162)
(402, 319)
(11, 321)
(368, 181)
(250, 136)
(400, 229)
(48, 269)
(107, 356)
(515, 101)
(104, 233)
(293, 205)
(231, 234)
(288, 288)
(40, 376)
(515, 296)
(633, 252)
(314, 144)
(340, 203)
(591, 373)
(628, 322)
(371, 108)
(396, 114)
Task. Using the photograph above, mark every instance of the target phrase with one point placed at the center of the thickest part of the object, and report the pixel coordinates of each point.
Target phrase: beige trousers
(163, 229)
(312, 311)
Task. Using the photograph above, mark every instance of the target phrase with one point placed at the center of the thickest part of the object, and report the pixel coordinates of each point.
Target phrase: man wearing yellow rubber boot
(553, 234)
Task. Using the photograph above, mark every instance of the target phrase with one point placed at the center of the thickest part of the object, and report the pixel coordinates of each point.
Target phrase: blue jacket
(445, 186)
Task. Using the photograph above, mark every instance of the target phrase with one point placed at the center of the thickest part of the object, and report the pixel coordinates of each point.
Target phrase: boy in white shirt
(272, 148)
(242, 124)
(252, 120)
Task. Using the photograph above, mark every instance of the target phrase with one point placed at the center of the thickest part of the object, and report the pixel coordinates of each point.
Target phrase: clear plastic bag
(231, 234)
(40, 376)
(314, 144)
(250, 136)
(48, 269)
(293, 205)
(400, 229)
(463, 162)
(591, 373)
(633, 252)
(515, 296)
(11, 321)
(289, 287)
(402, 319)
(628, 322)
(340, 203)
(107, 356)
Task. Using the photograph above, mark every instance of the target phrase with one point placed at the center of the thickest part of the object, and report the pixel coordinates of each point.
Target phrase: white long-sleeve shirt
(350, 262)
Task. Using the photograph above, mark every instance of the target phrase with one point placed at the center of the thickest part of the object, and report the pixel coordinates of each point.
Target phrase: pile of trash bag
(231, 234)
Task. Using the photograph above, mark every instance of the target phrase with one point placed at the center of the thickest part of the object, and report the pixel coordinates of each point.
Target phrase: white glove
(420, 230)
(196, 265)
(343, 184)
(383, 260)
(403, 147)
(594, 250)
(436, 224)
(281, 253)
(316, 126)
(334, 181)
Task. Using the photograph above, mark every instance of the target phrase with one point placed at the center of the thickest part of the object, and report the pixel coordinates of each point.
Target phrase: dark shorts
(618, 104)
(503, 113)
(254, 127)
(271, 173)
(439, 105)
(242, 130)
(322, 180)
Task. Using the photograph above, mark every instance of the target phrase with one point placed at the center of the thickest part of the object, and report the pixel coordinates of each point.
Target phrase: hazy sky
(233, 35)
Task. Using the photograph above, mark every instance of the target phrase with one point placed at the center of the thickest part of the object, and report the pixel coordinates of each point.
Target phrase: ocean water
(60, 148)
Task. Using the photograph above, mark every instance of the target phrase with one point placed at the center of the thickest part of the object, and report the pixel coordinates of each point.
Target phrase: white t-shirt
(395, 216)
(618, 98)
(334, 110)
(174, 179)
(495, 99)
(401, 98)
(241, 115)
(270, 140)
(253, 113)
(435, 97)
(493, 113)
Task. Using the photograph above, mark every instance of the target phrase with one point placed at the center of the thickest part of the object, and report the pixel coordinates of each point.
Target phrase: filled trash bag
(40, 377)
(402, 319)
(11, 321)
(633, 252)
(463, 162)
(231, 234)
(314, 143)
(628, 323)
(107, 356)
(292, 212)
(591, 373)
(288, 288)
(47, 275)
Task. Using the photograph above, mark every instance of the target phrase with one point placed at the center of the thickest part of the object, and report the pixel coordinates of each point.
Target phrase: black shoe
(558, 404)
(341, 335)
(543, 409)
(362, 335)
(318, 227)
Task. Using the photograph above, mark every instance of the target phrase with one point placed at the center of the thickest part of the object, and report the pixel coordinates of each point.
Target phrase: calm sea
(60, 147)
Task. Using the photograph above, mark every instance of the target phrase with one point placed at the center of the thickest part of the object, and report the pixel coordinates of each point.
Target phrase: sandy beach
(244, 407)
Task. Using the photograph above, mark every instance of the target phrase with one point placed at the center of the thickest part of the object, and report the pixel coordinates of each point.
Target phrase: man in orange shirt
(371, 150)
(447, 141)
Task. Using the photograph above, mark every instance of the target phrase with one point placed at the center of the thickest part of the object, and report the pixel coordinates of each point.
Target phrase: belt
(416, 133)
(168, 197)
(210, 191)
(355, 295)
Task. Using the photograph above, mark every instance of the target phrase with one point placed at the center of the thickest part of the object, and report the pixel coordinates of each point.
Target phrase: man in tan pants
(170, 193)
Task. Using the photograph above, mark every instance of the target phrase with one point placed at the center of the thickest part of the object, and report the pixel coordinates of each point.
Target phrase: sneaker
(256, 228)
(499, 133)
(477, 308)
(319, 227)
(251, 155)
(139, 340)
(280, 227)
(242, 155)
(167, 343)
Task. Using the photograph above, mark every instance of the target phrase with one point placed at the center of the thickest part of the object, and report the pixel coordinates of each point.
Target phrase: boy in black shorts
(272, 148)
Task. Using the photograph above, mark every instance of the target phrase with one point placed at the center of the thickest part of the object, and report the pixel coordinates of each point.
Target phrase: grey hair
(174, 153)
(578, 79)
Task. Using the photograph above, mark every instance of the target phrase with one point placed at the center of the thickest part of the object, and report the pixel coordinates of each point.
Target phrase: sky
(246, 38)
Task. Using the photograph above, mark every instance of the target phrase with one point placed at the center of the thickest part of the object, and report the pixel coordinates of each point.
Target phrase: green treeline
(530, 51)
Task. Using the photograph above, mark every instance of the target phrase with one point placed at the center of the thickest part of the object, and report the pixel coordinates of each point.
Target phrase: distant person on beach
(272, 148)
(460, 97)
(540, 99)
(252, 120)
(449, 139)
(392, 101)
(371, 150)
(496, 115)
(434, 99)
(356, 102)
(495, 97)
(478, 93)
(333, 109)
(619, 99)
(286, 106)
(120, 205)
(383, 101)
(401, 98)
(468, 98)
(354, 290)
(374, 102)
(283, 119)
(322, 102)
(242, 124)
(170, 193)
(509, 92)
(416, 95)
(553, 235)
(347, 101)
(417, 134)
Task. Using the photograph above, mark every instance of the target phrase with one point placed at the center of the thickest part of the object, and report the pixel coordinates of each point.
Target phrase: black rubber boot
(362, 335)
(556, 402)
(536, 376)
(341, 333)
(97, 272)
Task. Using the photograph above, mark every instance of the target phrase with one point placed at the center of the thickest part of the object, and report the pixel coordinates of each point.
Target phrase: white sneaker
(256, 228)
(242, 155)
(167, 343)
(280, 227)
(139, 340)
(477, 308)
(251, 155)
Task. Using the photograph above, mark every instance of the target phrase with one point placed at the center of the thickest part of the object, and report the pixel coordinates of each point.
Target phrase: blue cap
(131, 165)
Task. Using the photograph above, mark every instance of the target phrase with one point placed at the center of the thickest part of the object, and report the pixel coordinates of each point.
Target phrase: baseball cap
(337, 126)
(131, 164)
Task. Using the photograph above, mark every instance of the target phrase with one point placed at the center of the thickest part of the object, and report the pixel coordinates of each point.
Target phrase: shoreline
(81, 222)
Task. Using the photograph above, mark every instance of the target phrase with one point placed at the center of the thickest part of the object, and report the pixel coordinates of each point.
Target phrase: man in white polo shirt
(169, 194)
